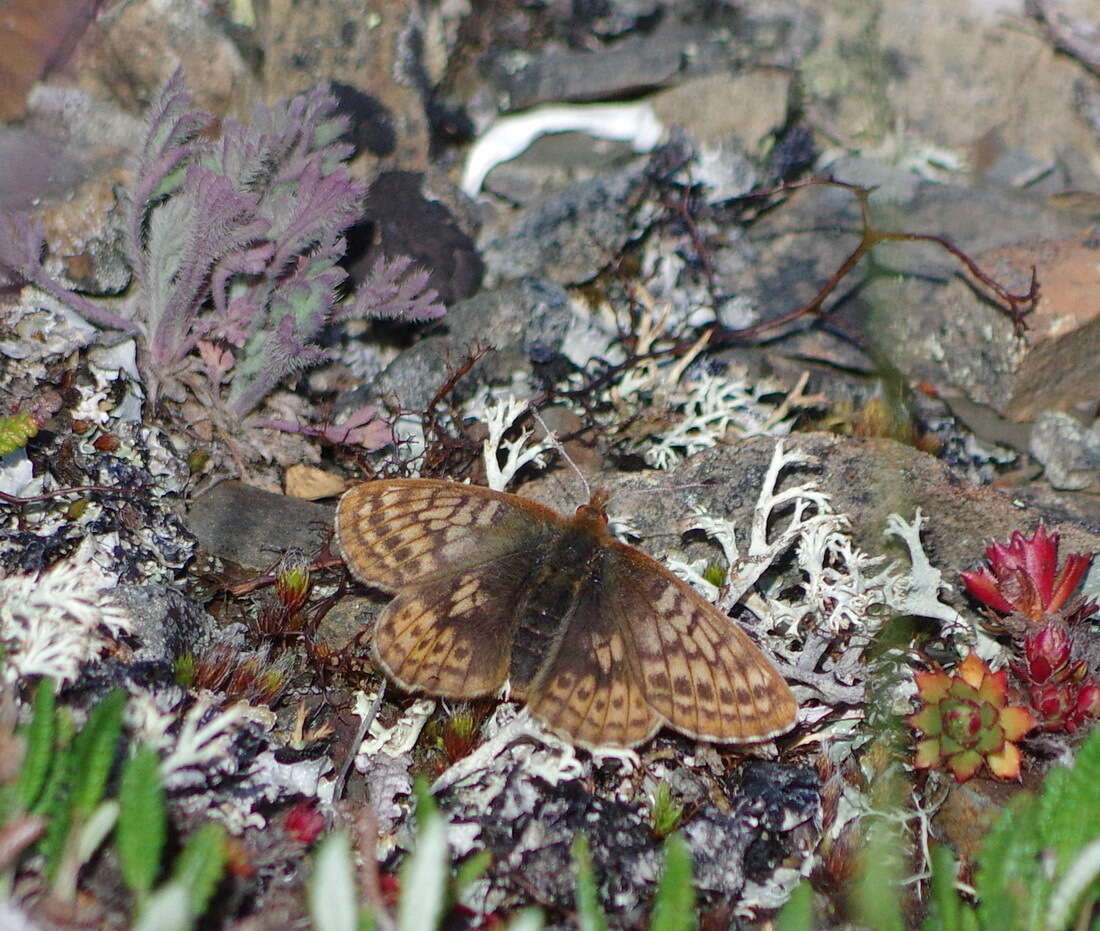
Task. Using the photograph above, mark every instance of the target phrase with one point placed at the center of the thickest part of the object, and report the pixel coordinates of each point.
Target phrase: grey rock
(252, 527)
(569, 236)
(867, 479)
(701, 42)
(166, 622)
(1068, 450)
(516, 319)
(554, 162)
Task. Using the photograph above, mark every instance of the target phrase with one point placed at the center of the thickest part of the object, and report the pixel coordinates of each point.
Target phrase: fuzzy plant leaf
(394, 289)
(55, 801)
(674, 906)
(39, 736)
(95, 748)
(1012, 879)
(332, 900)
(142, 821)
(1069, 806)
(234, 242)
(167, 909)
(590, 916)
(798, 913)
(946, 909)
(200, 865)
(425, 873)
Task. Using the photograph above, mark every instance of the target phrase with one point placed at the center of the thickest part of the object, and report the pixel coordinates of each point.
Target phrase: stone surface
(867, 479)
(568, 236)
(1068, 450)
(374, 49)
(960, 341)
(252, 528)
(516, 320)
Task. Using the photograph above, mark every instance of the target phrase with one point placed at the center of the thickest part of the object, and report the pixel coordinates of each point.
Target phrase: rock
(960, 340)
(745, 108)
(1068, 450)
(517, 320)
(867, 479)
(568, 236)
(167, 623)
(685, 43)
(251, 527)
(944, 84)
(130, 53)
(376, 52)
(399, 220)
(37, 36)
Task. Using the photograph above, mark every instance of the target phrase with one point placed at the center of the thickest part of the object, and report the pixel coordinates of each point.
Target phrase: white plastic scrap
(635, 123)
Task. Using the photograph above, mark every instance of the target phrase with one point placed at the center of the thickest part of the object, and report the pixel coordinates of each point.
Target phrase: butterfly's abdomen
(548, 604)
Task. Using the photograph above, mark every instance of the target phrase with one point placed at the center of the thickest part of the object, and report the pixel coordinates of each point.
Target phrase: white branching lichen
(500, 415)
(194, 745)
(52, 624)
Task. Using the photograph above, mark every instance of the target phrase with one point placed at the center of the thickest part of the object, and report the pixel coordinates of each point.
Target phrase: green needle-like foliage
(590, 916)
(427, 870)
(95, 749)
(674, 906)
(39, 736)
(142, 822)
(200, 865)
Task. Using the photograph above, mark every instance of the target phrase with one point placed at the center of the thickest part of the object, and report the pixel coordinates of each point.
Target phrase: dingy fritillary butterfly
(604, 644)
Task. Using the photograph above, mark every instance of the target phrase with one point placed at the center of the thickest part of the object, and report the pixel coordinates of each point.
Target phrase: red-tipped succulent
(1022, 576)
(1061, 692)
(966, 720)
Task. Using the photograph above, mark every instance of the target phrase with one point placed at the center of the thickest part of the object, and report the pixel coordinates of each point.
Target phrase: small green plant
(673, 906)
(667, 811)
(967, 720)
(64, 782)
(1038, 868)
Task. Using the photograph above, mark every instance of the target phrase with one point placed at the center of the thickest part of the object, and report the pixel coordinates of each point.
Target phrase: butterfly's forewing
(694, 666)
(402, 532)
(458, 557)
(586, 689)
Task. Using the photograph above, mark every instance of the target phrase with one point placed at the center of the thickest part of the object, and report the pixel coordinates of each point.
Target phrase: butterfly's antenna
(556, 443)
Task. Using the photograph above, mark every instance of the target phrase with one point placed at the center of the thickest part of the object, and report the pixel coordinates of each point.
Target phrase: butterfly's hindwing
(696, 667)
(451, 636)
(586, 690)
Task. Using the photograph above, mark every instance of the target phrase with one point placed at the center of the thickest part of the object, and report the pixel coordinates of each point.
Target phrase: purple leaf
(393, 290)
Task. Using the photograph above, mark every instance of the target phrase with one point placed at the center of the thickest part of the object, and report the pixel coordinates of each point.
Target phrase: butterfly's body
(603, 643)
(559, 576)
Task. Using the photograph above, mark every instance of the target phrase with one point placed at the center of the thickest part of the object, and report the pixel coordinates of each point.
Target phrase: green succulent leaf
(39, 735)
(142, 821)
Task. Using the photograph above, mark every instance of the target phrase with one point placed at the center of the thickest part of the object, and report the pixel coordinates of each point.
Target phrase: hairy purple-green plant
(235, 243)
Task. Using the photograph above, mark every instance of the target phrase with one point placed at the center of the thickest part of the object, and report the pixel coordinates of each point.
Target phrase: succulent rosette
(966, 720)
(1022, 576)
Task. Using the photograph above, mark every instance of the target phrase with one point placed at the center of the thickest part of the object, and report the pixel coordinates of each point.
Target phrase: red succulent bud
(1088, 701)
(1022, 576)
(1046, 655)
(292, 580)
(304, 822)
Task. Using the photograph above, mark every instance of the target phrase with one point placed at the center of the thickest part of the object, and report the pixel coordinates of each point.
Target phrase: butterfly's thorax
(567, 565)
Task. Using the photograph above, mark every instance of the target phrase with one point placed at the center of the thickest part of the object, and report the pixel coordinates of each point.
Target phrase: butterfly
(603, 644)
